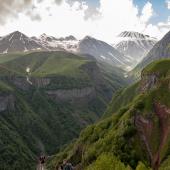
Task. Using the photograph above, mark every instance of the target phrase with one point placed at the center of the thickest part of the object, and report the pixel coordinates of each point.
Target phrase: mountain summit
(103, 52)
(133, 34)
(134, 45)
(160, 51)
(17, 42)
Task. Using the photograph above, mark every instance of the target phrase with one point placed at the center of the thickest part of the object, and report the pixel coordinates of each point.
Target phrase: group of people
(66, 166)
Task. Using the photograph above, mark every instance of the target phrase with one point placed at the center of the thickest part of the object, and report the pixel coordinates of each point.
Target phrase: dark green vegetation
(160, 51)
(137, 134)
(46, 98)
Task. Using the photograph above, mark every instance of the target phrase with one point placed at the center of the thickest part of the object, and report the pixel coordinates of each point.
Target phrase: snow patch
(11, 37)
(5, 52)
(103, 57)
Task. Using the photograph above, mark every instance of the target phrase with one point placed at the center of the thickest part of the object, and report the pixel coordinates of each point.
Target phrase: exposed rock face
(148, 82)
(145, 127)
(40, 82)
(7, 102)
(146, 130)
(25, 83)
(163, 113)
(21, 83)
(71, 94)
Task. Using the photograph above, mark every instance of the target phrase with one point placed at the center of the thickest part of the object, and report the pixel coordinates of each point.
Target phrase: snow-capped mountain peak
(103, 52)
(45, 37)
(70, 38)
(135, 45)
(17, 42)
(132, 34)
(15, 36)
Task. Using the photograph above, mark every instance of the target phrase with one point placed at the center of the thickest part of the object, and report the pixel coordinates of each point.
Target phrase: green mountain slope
(46, 98)
(135, 137)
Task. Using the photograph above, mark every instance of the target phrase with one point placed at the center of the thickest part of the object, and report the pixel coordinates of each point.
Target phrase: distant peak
(88, 38)
(43, 35)
(17, 33)
(70, 37)
(133, 34)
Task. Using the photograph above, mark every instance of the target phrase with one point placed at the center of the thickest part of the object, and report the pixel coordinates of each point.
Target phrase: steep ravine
(46, 106)
(137, 135)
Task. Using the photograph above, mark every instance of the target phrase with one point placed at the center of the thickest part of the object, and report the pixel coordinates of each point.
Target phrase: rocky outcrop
(144, 127)
(7, 102)
(21, 83)
(40, 82)
(163, 114)
(71, 94)
(25, 83)
(149, 82)
(149, 127)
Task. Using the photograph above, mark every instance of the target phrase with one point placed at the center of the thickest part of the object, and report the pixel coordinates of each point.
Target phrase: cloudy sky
(102, 19)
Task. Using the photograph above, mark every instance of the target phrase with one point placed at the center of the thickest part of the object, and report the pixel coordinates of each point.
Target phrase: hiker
(67, 165)
(42, 160)
(60, 167)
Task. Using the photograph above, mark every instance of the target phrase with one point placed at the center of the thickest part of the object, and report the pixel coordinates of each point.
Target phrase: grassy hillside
(43, 63)
(44, 109)
(135, 136)
(121, 99)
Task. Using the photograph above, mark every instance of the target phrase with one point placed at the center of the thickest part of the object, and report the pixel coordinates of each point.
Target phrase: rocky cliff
(7, 102)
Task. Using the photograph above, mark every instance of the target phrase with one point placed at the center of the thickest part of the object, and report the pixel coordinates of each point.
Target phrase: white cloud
(147, 12)
(108, 20)
(168, 4)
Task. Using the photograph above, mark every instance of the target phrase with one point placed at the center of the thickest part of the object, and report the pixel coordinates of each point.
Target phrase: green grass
(4, 87)
(45, 64)
(160, 67)
(121, 99)
(9, 57)
(63, 66)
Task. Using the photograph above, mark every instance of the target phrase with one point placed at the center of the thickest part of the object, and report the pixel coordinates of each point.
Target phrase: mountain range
(125, 54)
(52, 88)
(134, 130)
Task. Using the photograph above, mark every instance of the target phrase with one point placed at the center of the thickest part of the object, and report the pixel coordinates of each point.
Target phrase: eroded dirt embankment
(148, 128)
